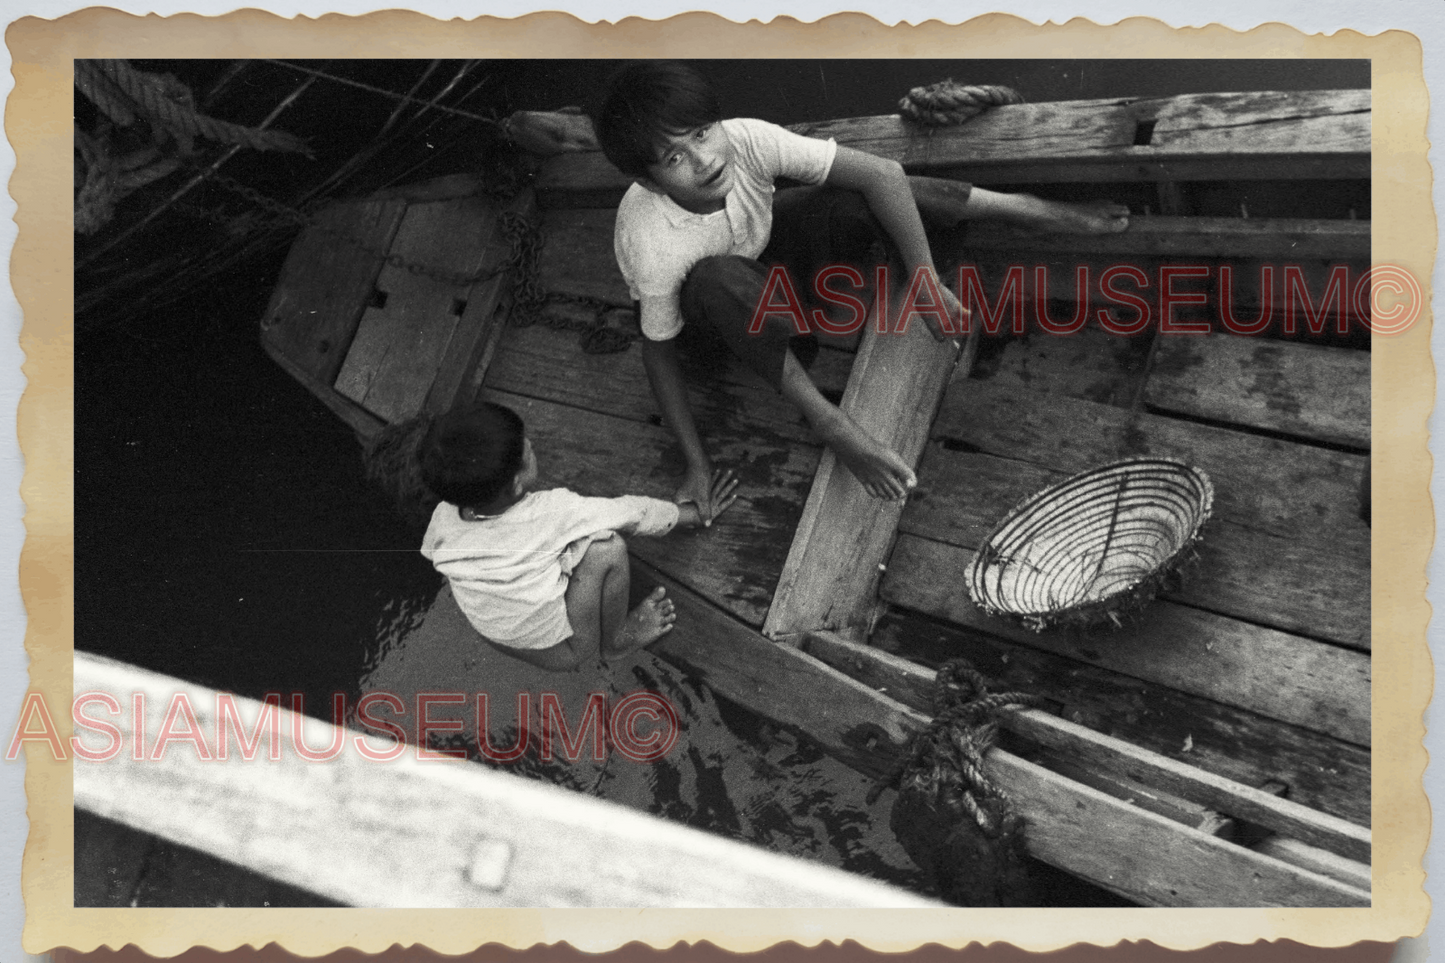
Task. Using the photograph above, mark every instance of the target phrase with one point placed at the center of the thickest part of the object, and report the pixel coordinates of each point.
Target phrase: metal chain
(526, 241)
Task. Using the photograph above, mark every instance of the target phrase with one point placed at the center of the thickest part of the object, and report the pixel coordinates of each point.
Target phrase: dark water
(224, 533)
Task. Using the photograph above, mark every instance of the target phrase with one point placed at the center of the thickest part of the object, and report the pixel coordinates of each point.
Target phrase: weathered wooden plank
(1093, 364)
(1299, 494)
(1319, 771)
(1149, 857)
(911, 684)
(1243, 802)
(361, 421)
(1272, 239)
(1152, 859)
(422, 834)
(1308, 390)
(546, 363)
(400, 346)
(1192, 127)
(479, 327)
(735, 563)
(1316, 860)
(326, 283)
(1265, 135)
(831, 576)
(1296, 680)
(577, 256)
(1300, 585)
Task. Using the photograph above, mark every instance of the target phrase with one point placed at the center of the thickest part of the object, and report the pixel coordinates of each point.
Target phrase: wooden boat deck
(1238, 700)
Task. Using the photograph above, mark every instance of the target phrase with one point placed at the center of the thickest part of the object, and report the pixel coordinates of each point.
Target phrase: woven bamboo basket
(1093, 547)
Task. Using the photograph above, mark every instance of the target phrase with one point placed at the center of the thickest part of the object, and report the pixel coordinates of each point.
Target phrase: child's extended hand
(722, 492)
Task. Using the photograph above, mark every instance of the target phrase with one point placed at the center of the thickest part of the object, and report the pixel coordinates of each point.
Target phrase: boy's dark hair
(470, 455)
(644, 103)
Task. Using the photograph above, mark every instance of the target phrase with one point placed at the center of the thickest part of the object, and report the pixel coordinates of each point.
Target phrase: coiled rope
(950, 817)
(122, 93)
(947, 102)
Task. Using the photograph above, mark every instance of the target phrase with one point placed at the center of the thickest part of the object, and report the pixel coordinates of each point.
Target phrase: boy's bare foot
(650, 621)
(878, 468)
(1071, 217)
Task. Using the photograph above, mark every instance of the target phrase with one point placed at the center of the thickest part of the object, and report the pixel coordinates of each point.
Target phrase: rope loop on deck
(950, 816)
(947, 102)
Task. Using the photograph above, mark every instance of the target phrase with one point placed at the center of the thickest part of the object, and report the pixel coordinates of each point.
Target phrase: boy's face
(695, 169)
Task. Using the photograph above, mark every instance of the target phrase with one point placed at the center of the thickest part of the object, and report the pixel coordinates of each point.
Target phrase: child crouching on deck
(542, 575)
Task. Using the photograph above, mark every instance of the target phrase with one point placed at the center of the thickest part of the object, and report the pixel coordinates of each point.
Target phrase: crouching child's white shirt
(509, 572)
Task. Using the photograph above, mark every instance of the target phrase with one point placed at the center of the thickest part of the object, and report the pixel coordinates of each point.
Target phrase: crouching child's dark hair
(646, 102)
(470, 455)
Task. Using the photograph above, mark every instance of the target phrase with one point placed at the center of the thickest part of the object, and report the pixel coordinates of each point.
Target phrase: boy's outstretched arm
(886, 188)
(664, 374)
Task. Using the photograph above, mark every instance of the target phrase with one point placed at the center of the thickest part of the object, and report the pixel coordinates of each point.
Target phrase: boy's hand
(718, 496)
(697, 489)
(723, 492)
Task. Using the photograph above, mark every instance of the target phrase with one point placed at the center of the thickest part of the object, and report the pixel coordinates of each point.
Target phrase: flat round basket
(1091, 547)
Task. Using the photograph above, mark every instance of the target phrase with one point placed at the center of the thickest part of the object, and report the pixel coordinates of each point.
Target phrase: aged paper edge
(1403, 395)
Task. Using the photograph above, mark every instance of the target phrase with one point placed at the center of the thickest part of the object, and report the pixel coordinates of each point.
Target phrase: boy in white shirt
(541, 575)
(693, 241)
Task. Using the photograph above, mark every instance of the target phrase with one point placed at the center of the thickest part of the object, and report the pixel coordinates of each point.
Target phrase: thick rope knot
(950, 816)
(947, 102)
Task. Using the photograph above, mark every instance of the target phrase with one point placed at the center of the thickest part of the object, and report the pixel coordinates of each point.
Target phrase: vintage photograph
(730, 483)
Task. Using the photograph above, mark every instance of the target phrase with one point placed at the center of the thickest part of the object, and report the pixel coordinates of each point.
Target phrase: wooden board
(1269, 135)
(1148, 857)
(1227, 129)
(326, 283)
(549, 364)
(831, 577)
(420, 834)
(577, 256)
(1276, 240)
(1093, 365)
(735, 563)
(400, 346)
(1286, 677)
(1311, 391)
(1292, 584)
(1320, 772)
(1299, 494)
(912, 684)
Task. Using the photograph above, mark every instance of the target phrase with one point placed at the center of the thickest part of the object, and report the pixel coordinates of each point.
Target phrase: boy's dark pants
(813, 227)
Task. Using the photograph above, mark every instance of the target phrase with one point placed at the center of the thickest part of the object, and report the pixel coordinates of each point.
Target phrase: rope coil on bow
(947, 102)
(950, 816)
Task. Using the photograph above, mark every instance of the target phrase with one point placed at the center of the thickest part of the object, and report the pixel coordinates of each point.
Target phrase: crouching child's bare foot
(649, 621)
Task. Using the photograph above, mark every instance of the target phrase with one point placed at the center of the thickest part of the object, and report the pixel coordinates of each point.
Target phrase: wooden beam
(1321, 772)
(1296, 680)
(1233, 136)
(1279, 240)
(423, 834)
(1148, 857)
(908, 681)
(1307, 390)
(831, 577)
